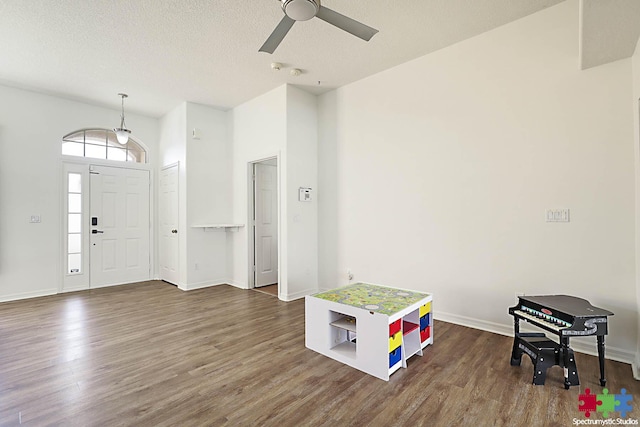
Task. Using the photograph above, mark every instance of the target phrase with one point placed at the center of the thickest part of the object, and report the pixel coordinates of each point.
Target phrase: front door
(120, 235)
(266, 224)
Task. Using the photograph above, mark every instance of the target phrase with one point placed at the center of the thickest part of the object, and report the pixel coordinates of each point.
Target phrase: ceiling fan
(303, 10)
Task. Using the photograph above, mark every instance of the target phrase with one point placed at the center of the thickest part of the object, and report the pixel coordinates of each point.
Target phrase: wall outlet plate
(557, 215)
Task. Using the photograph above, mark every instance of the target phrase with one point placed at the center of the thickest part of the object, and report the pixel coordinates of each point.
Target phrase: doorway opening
(264, 214)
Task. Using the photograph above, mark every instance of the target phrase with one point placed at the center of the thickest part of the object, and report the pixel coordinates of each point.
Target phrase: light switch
(35, 219)
(304, 194)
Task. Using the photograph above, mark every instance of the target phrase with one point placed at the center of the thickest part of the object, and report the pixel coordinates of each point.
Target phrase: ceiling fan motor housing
(300, 10)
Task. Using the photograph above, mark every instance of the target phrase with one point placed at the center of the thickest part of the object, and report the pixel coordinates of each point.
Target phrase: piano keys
(565, 316)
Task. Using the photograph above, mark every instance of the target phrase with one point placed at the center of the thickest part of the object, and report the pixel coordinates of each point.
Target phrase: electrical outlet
(349, 275)
(557, 215)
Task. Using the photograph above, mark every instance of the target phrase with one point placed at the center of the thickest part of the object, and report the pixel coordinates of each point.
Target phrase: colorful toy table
(373, 328)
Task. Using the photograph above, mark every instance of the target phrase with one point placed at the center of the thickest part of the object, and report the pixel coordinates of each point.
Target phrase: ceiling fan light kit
(303, 10)
(300, 10)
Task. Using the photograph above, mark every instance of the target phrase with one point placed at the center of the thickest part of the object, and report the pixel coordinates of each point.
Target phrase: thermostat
(304, 195)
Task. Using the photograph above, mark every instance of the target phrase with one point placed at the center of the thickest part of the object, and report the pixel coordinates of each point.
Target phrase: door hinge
(254, 268)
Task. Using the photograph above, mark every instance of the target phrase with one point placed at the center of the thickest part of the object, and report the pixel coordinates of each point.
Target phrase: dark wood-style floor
(152, 355)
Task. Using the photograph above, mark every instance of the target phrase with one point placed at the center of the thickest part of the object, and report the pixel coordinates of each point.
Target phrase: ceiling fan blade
(345, 23)
(278, 34)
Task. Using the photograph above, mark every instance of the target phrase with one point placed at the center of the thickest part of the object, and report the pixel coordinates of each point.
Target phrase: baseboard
(298, 295)
(611, 353)
(201, 285)
(239, 285)
(115, 284)
(635, 367)
(27, 295)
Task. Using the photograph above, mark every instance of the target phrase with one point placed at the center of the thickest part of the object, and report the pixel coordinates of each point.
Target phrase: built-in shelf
(347, 322)
(225, 227)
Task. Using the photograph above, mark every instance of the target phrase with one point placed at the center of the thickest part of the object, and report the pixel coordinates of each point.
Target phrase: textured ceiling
(609, 30)
(164, 52)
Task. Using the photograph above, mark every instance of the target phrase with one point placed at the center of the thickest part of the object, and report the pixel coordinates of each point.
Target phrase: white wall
(173, 149)
(636, 144)
(444, 167)
(205, 191)
(259, 132)
(31, 129)
(302, 171)
(279, 123)
(208, 195)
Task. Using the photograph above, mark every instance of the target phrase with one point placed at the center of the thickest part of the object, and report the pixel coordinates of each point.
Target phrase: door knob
(174, 231)
(96, 231)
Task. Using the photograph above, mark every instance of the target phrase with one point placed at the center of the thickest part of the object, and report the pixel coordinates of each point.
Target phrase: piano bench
(544, 353)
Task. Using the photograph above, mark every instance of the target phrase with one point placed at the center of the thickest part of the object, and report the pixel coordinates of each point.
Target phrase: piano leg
(566, 361)
(603, 381)
(516, 353)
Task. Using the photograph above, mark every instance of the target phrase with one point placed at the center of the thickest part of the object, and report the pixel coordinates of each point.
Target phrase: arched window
(102, 144)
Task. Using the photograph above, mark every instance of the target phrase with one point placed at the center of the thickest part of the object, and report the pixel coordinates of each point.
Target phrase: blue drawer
(425, 321)
(395, 356)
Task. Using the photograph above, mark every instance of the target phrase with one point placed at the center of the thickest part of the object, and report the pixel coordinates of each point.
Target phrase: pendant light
(122, 133)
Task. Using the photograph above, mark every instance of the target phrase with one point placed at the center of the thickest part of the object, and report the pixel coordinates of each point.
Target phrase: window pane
(96, 136)
(95, 151)
(75, 262)
(73, 149)
(117, 154)
(75, 244)
(93, 143)
(75, 137)
(75, 183)
(135, 153)
(75, 203)
(75, 223)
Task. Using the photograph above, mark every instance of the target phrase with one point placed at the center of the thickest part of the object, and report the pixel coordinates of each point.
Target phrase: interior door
(266, 224)
(120, 247)
(169, 224)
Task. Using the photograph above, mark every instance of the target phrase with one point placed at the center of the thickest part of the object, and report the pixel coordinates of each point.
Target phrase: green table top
(379, 299)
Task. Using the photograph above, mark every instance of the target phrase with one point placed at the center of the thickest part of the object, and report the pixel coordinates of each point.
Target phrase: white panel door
(266, 229)
(168, 215)
(119, 226)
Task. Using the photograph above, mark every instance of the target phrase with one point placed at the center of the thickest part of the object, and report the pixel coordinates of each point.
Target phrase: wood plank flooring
(151, 355)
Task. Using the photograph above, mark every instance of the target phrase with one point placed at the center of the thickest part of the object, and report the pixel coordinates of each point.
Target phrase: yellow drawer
(395, 340)
(424, 309)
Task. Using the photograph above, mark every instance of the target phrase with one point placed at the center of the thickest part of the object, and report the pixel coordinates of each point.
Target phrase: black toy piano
(564, 316)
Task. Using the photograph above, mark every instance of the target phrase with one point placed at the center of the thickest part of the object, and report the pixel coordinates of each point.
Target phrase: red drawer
(394, 327)
(425, 334)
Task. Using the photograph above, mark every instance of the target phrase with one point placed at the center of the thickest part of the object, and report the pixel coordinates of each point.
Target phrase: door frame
(159, 231)
(83, 165)
(251, 278)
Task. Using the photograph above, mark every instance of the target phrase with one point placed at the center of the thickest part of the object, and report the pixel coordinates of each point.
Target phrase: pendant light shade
(122, 133)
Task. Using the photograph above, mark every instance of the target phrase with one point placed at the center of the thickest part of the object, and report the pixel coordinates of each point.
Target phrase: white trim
(81, 281)
(157, 230)
(612, 353)
(25, 295)
(201, 285)
(250, 237)
(147, 159)
(297, 295)
(239, 285)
